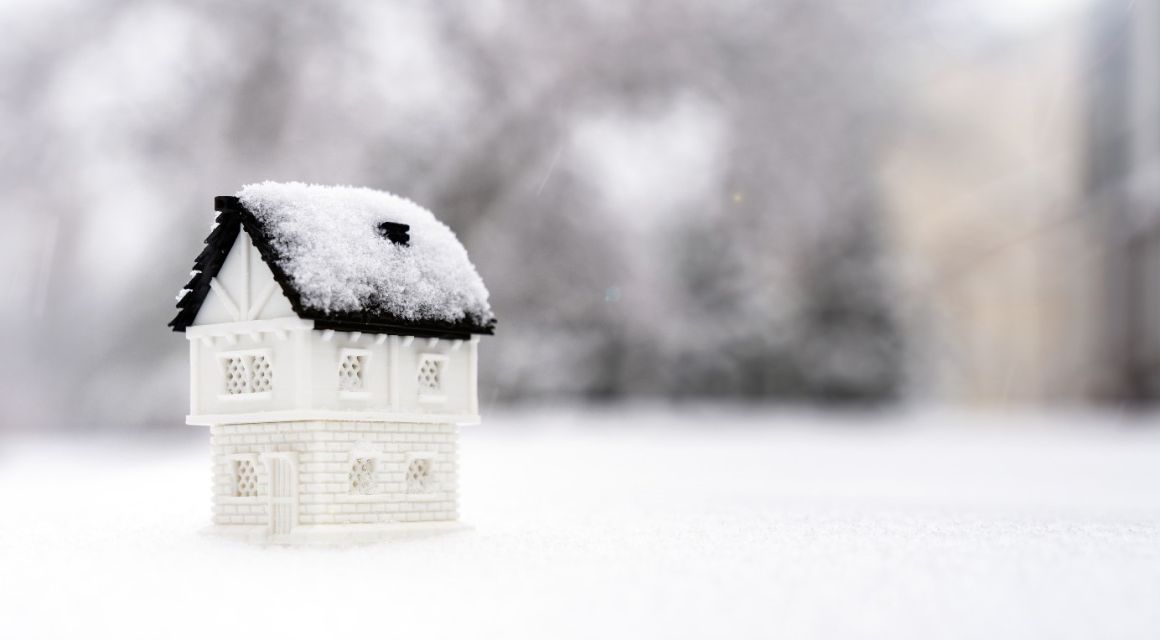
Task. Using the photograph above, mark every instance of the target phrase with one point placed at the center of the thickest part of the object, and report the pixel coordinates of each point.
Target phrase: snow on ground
(635, 524)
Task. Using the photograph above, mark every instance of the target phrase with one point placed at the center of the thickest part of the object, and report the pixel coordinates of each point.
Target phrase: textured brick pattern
(325, 452)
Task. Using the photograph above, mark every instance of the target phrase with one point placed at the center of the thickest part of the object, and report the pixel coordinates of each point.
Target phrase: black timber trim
(233, 217)
(420, 329)
(206, 266)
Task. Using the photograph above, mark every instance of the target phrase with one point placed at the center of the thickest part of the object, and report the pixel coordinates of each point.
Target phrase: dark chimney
(395, 232)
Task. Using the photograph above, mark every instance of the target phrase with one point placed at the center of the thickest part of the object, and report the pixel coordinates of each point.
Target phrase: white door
(283, 493)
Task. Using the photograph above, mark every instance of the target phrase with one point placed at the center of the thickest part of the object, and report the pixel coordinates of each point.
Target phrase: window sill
(233, 397)
(240, 499)
(390, 497)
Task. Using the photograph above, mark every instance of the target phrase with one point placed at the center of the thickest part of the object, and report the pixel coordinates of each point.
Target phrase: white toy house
(333, 336)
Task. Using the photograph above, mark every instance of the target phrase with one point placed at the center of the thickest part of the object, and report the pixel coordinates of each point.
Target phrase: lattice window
(431, 375)
(262, 374)
(351, 367)
(246, 373)
(362, 476)
(245, 479)
(419, 476)
(237, 375)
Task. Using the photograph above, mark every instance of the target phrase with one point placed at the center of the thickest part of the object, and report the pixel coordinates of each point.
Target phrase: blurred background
(887, 203)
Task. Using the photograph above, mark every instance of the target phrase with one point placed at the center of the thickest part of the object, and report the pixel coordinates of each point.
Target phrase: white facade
(327, 479)
(319, 434)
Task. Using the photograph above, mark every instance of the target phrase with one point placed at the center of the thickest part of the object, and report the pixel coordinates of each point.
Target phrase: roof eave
(417, 329)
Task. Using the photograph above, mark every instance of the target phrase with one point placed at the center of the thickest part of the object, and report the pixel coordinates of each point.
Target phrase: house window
(245, 478)
(237, 378)
(430, 377)
(261, 374)
(419, 478)
(362, 476)
(245, 373)
(352, 366)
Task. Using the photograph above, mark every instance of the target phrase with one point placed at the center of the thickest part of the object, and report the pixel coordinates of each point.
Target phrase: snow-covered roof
(341, 263)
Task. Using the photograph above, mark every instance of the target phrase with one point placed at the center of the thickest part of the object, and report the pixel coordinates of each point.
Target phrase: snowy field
(633, 524)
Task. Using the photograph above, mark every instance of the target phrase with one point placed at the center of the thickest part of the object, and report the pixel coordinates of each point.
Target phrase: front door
(283, 492)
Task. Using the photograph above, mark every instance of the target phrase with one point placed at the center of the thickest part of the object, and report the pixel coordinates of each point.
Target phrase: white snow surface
(330, 247)
(701, 523)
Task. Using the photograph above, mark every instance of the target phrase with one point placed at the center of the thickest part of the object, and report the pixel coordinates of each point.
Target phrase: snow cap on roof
(328, 242)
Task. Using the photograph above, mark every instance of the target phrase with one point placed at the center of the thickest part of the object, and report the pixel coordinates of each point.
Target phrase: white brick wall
(325, 451)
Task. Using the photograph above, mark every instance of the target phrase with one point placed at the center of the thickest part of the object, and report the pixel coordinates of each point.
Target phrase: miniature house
(333, 336)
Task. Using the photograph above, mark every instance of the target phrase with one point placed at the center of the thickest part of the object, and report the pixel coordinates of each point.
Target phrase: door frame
(289, 458)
